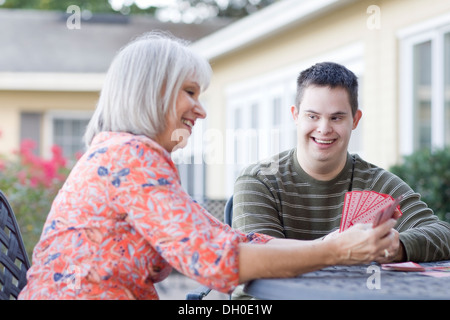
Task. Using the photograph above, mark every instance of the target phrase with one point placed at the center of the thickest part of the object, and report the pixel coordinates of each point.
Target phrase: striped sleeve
(423, 235)
(255, 208)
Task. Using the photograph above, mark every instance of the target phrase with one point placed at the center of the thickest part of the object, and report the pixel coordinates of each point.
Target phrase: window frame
(431, 30)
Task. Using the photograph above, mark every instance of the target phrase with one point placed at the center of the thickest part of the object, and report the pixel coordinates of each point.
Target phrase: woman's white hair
(142, 84)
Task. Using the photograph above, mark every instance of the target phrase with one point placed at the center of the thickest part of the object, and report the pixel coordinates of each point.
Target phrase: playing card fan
(367, 207)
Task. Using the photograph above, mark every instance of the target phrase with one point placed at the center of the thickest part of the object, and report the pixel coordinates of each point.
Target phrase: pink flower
(58, 157)
(38, 171)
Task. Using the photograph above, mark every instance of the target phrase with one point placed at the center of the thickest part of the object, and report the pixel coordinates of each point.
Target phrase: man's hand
(364, 244)
(396, 252)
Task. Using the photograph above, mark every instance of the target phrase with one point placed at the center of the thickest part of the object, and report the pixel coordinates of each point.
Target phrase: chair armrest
(198, 293)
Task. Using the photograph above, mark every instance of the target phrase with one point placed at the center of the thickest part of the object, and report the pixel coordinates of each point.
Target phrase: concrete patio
(176, 286)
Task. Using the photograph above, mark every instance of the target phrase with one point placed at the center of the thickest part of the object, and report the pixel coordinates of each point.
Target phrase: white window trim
(431, 30)
(263, 87)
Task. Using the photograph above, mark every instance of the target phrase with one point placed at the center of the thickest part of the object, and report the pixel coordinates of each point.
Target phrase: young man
(303, 198)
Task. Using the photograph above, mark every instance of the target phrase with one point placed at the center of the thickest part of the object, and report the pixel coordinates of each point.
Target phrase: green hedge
(428, 173)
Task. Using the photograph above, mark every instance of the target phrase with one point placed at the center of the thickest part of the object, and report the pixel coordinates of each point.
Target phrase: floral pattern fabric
(121, 222)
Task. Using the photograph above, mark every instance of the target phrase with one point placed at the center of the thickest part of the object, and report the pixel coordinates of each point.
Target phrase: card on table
(367, 207)
(403, 266)
(436, 271)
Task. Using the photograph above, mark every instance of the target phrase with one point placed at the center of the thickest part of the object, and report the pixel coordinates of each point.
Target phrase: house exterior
(399, 49)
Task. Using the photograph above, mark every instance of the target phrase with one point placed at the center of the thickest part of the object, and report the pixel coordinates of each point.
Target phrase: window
(66, 129)
(422, 95)
(259, 126)
(30, 128)
(190, 162)
(192, 178)
(425, 85)
(253, 138)
(68, 134)
(447, 88)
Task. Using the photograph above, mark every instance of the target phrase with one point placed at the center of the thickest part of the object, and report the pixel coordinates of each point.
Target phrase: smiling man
(303, 199)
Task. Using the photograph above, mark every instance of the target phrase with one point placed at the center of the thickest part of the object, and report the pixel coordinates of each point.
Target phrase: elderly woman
(122, 221)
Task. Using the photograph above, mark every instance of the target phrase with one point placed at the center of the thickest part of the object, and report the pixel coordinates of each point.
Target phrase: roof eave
(262, 24)
(45, 81)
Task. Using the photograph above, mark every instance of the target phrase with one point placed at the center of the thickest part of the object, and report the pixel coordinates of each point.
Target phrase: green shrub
(428, 173)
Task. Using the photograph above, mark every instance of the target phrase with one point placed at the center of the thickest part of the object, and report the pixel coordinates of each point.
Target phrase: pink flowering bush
(30, 183)
(38, 172)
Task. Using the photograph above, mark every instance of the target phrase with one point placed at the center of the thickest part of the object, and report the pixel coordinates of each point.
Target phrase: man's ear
(356, 118)
(294, 113)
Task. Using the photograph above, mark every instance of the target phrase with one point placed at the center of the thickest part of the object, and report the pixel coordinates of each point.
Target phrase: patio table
(360, 282)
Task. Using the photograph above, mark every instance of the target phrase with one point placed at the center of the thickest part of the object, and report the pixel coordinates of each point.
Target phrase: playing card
(348, 211)
(355, 204)
(352, 206)
(370, 214)
(403, 266)
(387, 213)
(366, 207)
(372, 198)
(364, 202)
(437, 271)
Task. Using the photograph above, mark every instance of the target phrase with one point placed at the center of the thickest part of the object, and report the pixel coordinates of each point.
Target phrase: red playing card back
(366, 207)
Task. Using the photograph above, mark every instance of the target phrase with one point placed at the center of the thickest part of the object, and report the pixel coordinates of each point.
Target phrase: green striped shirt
(278, 198)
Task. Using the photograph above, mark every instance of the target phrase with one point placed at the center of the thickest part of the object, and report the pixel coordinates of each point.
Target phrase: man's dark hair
(329, 74)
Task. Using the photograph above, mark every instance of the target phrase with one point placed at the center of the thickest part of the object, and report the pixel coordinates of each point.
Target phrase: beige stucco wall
(12, 103)
(314, 38)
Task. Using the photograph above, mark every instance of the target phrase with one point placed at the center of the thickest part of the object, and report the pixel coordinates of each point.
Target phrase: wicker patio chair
(14, 261)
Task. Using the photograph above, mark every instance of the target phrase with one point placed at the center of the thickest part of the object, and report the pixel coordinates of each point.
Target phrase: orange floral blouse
(121, 222)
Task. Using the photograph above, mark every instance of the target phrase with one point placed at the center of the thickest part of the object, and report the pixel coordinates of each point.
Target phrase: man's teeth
(188, 123)
(324, 141)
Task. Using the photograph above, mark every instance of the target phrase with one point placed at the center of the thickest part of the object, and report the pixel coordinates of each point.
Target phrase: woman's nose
(200, 110)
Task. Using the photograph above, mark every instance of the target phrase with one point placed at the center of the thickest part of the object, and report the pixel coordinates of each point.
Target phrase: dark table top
(361, 282)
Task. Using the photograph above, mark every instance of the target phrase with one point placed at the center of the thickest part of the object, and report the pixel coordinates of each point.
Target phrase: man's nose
(324, 127)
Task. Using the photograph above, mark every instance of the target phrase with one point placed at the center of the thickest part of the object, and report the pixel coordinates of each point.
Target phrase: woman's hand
(363, 244)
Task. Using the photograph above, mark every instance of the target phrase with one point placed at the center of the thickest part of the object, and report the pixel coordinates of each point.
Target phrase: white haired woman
(122, 221)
